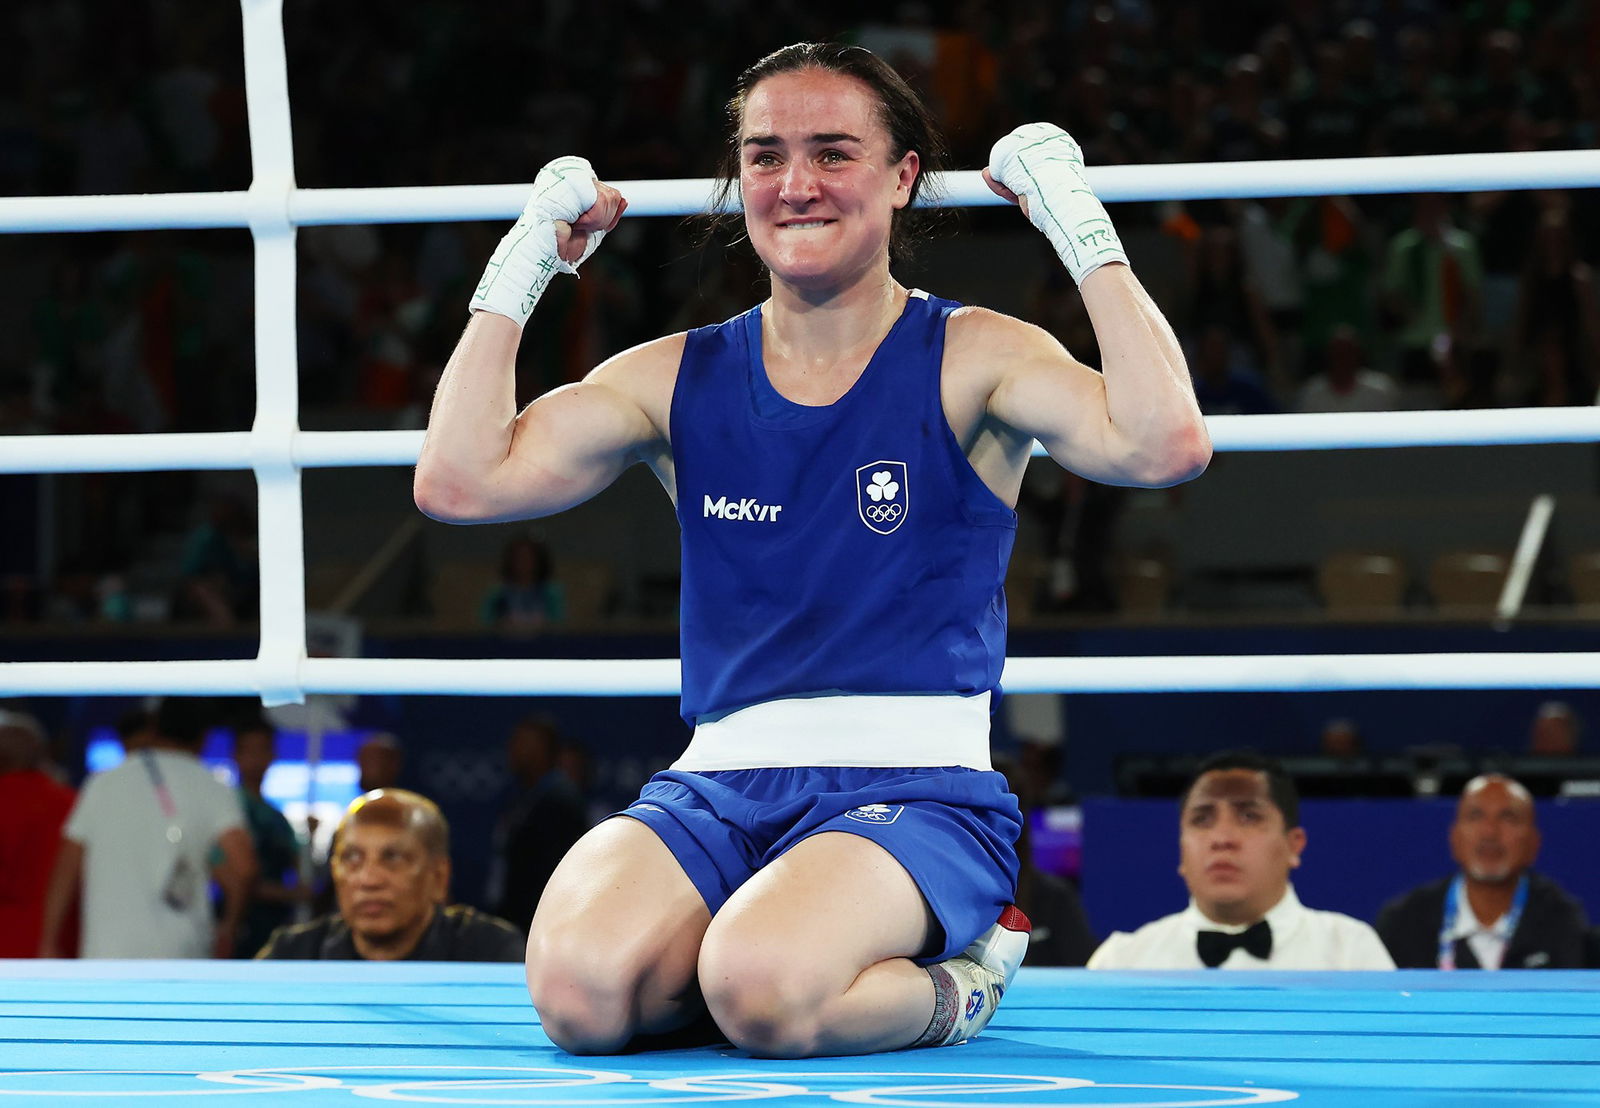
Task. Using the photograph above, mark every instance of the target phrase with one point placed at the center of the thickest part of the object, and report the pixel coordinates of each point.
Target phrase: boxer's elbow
(1189, 454)
(448, 498)
(1180, 456)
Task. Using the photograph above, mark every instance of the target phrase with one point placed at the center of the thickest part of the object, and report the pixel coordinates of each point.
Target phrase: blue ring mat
(310, 1034)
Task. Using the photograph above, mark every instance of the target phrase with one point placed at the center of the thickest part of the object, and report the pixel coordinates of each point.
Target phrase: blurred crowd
(1317, 304)
(1474, 299)
(157, 857)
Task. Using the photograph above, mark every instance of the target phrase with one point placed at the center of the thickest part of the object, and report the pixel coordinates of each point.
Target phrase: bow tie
(1215, 946)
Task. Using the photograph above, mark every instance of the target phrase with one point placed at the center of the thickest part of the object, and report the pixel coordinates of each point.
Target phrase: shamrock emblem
(882, 487)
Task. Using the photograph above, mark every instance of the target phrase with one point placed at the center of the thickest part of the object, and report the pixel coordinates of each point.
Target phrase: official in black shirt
(391, 873)
(1495, 912)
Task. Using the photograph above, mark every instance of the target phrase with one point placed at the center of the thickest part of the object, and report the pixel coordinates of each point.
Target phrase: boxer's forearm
(1149, 397)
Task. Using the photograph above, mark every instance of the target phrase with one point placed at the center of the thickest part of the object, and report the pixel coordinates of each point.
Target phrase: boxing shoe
(980, 975)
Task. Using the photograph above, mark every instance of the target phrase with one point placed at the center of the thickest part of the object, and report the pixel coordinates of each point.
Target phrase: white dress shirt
(1302, 939)
(1487, 940)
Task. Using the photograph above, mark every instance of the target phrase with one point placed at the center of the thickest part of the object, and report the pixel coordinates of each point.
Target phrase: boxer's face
(1235, 853)
(817, 176)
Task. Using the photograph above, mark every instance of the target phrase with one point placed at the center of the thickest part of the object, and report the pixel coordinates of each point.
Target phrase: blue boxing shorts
(953, 829)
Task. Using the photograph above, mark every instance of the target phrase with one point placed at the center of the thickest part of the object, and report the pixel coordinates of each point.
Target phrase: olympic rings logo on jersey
(883, 495)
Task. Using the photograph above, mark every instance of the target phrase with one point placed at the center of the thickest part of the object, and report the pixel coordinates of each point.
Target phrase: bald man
(391, 872)
(1495, 913)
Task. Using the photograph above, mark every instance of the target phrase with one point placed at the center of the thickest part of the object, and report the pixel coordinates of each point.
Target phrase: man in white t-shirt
(141, 839)
(1346, 383)
(1240, 836)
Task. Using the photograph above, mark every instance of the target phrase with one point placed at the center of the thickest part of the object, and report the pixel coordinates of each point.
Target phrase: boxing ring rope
(1552, 169)
(277, 451)
(139, 453)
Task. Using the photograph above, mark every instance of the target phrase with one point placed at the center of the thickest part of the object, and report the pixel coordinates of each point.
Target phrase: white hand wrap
(1043, 163)
(526, 258)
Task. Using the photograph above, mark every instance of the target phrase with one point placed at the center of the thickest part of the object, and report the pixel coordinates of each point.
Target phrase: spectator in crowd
(1240, 837)
(1432, 284)
(278, 888)
(544, 818)
(1223, 386)
(1346, 384)
(391, 871)
(1241, 129)
(1225, 301)
(1557, 331)
(217, 582)
(1077, 521)
(1331, 119)
(140, 840)
(1267, 232)
(1061, 935)
(1341, 738)
(527, 597)
(1338, 245)
(136, 729)
(573, 760)
(1555, 731)
(380, 759)
(1495, 913)
(33, 808)
(380, 764)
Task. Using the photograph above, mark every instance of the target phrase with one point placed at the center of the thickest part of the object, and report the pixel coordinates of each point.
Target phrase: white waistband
(843, 730)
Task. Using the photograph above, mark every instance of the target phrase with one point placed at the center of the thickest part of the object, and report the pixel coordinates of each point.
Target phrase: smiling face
(819, 177)
(1235, 853)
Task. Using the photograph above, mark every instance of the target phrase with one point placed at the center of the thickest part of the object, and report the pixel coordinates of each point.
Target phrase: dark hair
(909, 123)
(255, 724)
(1280, 786)
(133, 721)
(184, 719)
(543, 569)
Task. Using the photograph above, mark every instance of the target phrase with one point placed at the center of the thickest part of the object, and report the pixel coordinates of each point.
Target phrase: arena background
(151, 331)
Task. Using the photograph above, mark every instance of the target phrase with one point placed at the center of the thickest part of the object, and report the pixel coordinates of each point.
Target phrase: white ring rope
(1233, 433)
(1528, 169)
(278, 451)
(659, 676)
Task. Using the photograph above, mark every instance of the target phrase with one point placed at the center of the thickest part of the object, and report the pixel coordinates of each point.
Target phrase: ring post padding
(281, 539)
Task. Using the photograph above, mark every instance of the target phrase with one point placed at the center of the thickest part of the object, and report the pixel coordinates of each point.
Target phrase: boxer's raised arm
(481, 461)
(1136, 422)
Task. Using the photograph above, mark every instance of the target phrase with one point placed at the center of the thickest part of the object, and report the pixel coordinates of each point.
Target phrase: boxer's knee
(584, 994)
(770, 1006)
(595, 991)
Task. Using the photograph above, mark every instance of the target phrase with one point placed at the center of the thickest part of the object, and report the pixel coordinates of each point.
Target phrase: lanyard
(1452, 915)
(163, 796)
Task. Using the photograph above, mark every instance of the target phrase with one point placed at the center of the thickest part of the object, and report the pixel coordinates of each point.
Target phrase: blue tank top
(843, 548)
